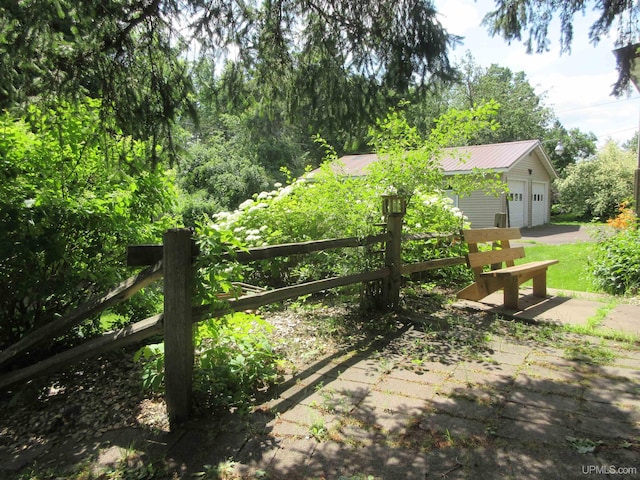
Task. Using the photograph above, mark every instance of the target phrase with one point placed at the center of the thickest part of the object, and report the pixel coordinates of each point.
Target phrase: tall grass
(572, 273)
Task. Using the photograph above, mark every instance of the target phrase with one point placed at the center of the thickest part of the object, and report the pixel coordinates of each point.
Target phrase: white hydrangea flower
(285, 191)
(246, 204)
(258, 207)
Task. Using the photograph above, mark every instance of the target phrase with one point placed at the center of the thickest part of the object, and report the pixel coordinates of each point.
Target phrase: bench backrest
(501, 249)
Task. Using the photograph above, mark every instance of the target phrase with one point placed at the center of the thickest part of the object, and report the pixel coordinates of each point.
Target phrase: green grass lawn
(572, 273)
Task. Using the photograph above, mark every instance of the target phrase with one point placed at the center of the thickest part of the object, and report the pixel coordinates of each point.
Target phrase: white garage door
(539, 204)
(516, 199)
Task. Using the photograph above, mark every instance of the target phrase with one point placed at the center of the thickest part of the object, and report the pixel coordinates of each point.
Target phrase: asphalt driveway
(558, 234)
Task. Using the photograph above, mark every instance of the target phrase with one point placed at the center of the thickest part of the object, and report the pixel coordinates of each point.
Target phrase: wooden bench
(490, 273)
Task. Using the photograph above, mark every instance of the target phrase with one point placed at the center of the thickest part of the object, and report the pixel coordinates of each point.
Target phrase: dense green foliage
(577, 146)
(219, 173)
(234, 359)
(131, 53)
(330, 204)
(595, 189)
(616, 264)
(521, 112)
(71, 199)
(123, 52)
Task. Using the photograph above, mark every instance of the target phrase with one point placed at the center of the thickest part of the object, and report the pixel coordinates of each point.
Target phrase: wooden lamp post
(394, 207)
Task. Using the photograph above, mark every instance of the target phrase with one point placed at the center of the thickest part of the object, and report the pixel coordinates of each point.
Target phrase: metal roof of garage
(495, 156)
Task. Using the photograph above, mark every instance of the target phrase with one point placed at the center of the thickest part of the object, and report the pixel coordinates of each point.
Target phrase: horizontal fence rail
(142, 255)
(63, 324)
(268, 297)
(94, 346)
(155, 256)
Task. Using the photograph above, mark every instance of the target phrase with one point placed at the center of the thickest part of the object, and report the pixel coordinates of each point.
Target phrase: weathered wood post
(394, 208)
(178, 325)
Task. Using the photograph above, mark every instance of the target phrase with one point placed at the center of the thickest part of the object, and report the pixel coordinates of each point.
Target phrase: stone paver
(623, 318)
(512, 414)
(518, 412)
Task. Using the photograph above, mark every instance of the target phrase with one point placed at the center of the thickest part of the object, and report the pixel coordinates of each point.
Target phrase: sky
(576, 85)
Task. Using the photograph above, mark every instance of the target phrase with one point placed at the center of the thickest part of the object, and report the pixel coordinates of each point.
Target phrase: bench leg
(511, 293)
(540, 284)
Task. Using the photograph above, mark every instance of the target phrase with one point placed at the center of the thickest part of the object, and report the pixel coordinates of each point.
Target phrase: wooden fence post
(394, 207)
(178, 325)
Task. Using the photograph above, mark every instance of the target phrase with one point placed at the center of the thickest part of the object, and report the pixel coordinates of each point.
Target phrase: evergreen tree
(511, 19)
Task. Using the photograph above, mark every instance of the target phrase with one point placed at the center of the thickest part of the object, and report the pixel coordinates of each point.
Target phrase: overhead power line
(598, 105)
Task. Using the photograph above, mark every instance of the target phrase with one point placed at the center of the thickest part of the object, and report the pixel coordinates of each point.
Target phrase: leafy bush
(326, 206)
(71, 199)
(234, 358)
(594, 189)
(435, 213)
(331, 204)
(215, 268)
(616, 265)
(223, 167)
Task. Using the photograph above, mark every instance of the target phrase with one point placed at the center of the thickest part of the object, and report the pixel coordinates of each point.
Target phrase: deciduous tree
(596, 188)
(522, 114)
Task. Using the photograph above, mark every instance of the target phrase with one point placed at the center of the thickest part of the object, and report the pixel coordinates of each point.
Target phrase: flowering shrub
(328, 203)
(616, 265)
(625, 219)
(435, 213)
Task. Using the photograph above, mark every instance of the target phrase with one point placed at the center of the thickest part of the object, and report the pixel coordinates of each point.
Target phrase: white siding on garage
(529, 167)
(480, 208)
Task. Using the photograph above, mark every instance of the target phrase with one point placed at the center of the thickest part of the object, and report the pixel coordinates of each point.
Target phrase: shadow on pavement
(465, 403)
(455, 396)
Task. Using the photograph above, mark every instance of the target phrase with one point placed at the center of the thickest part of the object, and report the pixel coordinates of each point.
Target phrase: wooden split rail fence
(173, 260)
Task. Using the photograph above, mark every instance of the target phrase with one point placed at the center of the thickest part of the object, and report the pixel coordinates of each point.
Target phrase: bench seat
(499, 277)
